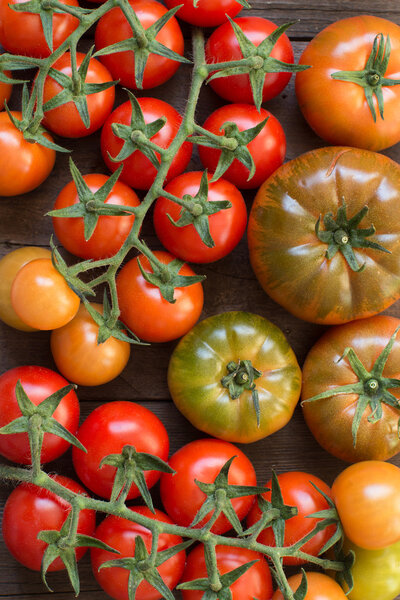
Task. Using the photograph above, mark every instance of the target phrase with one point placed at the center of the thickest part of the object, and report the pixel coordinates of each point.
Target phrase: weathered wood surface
(230, 284)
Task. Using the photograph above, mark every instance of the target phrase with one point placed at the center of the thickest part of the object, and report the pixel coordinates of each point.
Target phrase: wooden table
(230, 285)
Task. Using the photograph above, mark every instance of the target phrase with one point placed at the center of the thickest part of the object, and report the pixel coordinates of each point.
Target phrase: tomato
(22, 32)
(65, 120)
(106, 431)
(331, 419)
(297, 490)
(41, 296)
(113, 27)
(30, 509)
(206, 13)
(226, 227)
(373, 487)
(256, 582)
(38, 383)
(146, 312)
(200, 362)
(120, 534)
(110, 232)
(310, 277)
(319, 587)
(10, 264)
(267, 149)
(327, 103)
(202, 460)
(23, 165)
(138, 172)
(222, 45)
(80, 358)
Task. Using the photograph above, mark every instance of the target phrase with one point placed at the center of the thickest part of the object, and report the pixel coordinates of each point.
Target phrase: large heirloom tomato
(230, 367)
(324, 235)
(353, 63)
(360, 421)
(319, 587)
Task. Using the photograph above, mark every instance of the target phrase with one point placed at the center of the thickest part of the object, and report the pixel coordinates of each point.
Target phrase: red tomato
(147, 313)
(267, 149)
(120, 534)
(202, 460)
(106, 431)
(65, 120)
(23, 166)
(207, 13)
(31, 509)
(319, 587)
(138, 172)
(113, 27)
(22, 32)
(256, 582)
(222, 45)
(226, 226)
(110, 232)
(297, 490)
(38, 383)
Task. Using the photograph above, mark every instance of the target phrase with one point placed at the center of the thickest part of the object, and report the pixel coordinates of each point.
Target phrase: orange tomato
(320, 587)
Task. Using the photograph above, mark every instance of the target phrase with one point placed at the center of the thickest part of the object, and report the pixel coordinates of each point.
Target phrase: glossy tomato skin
(222, 45)
(202, 460)
(373, 487)
(22, 32)
(65, 120)
(320, 587)
(38, 383)
(290, 261)
(147, 313)
(297, 490)
(207, 13)
(110, 232)
(267, 149)
(226, 226)
(30, 509)
(23, 166)
(330, 420)
(120, 534)
(113, 27)
(338, 110)
(10, 264)
(138, 172)
(106, 431)
(200, 360)
(256, 582)
(78, 356)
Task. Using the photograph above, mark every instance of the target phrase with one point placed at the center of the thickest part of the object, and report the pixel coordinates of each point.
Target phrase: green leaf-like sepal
(227, 579)
(241, 376)
(80, 288)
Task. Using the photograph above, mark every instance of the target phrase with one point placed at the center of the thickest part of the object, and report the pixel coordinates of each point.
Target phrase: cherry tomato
(106, 431)
(366, 495)
(23, 166)
(41, 297)
(202, 460)
(267, 149)
(113, 27)
(10, 264)
(80, 358)
(222, 45)
(226, 227)
(65, 120)
(120, 534)
(138, 172)
(110, 232)
(297, 490)
(38, 383)
(31, 509)
(22, 32)
(320, 587)
(256, 582)
(206, 13)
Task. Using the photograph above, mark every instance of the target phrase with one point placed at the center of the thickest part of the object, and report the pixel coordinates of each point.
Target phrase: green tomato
(235, 376)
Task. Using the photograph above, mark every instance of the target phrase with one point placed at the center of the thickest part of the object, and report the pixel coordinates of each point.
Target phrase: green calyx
(342, 234)
(241, 376)
(372, 77)
(372, 388)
